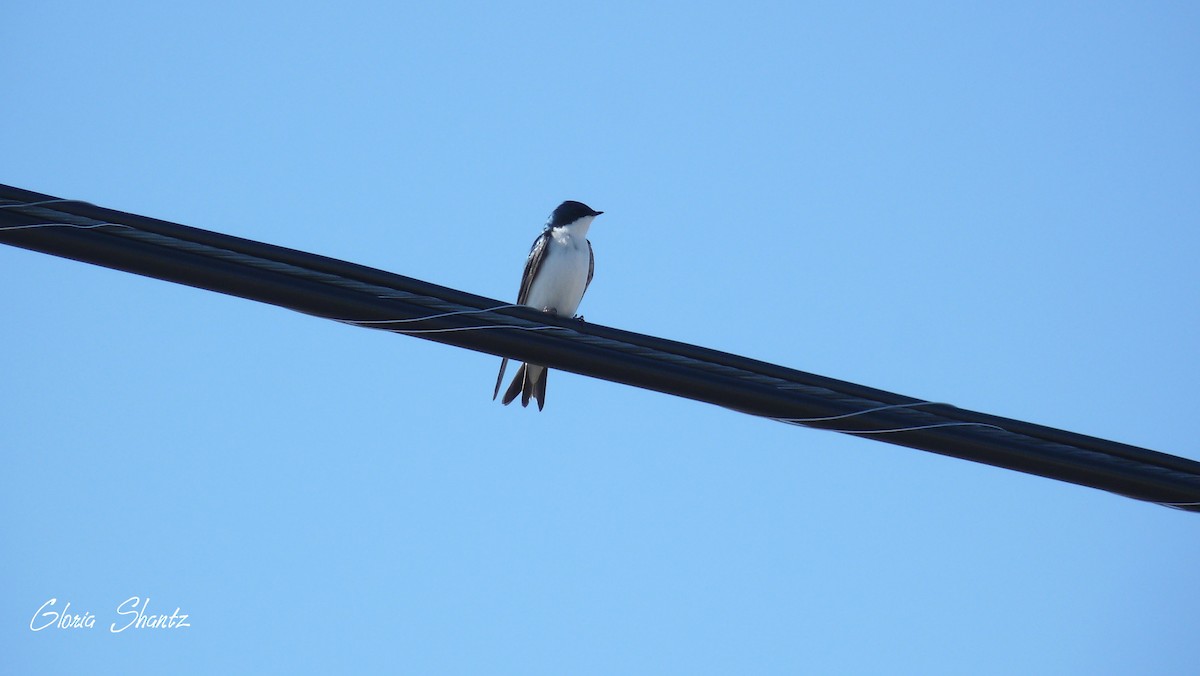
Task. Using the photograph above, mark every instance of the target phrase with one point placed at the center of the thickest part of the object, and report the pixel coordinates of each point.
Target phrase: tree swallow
(557, 273)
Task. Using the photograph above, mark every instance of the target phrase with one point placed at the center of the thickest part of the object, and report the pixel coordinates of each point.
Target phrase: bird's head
(570, 212)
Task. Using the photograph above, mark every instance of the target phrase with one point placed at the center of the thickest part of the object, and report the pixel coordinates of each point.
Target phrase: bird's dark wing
(532, 264)
(536, 254)
(591, 266)
(500, 377)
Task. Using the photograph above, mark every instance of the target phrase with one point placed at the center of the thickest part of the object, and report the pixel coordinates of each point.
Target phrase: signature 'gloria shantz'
(134, 613)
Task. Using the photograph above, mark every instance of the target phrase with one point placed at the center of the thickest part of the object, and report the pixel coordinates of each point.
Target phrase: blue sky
(993, 207)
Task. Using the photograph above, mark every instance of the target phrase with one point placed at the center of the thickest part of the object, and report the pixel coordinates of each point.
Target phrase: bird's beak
(597, 213)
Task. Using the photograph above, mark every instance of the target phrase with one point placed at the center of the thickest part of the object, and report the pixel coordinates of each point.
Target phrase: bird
(558, 272)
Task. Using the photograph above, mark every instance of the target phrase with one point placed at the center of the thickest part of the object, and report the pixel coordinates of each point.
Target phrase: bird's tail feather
(539, 388)
(534, 386)
(515, 388)
(529, 382)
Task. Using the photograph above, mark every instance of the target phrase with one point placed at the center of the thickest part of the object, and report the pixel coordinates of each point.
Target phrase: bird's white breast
(562, 279)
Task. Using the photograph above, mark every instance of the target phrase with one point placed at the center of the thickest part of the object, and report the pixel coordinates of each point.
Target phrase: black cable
(368, 297)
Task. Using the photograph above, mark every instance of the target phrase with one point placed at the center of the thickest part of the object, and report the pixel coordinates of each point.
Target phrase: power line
(362, 296)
